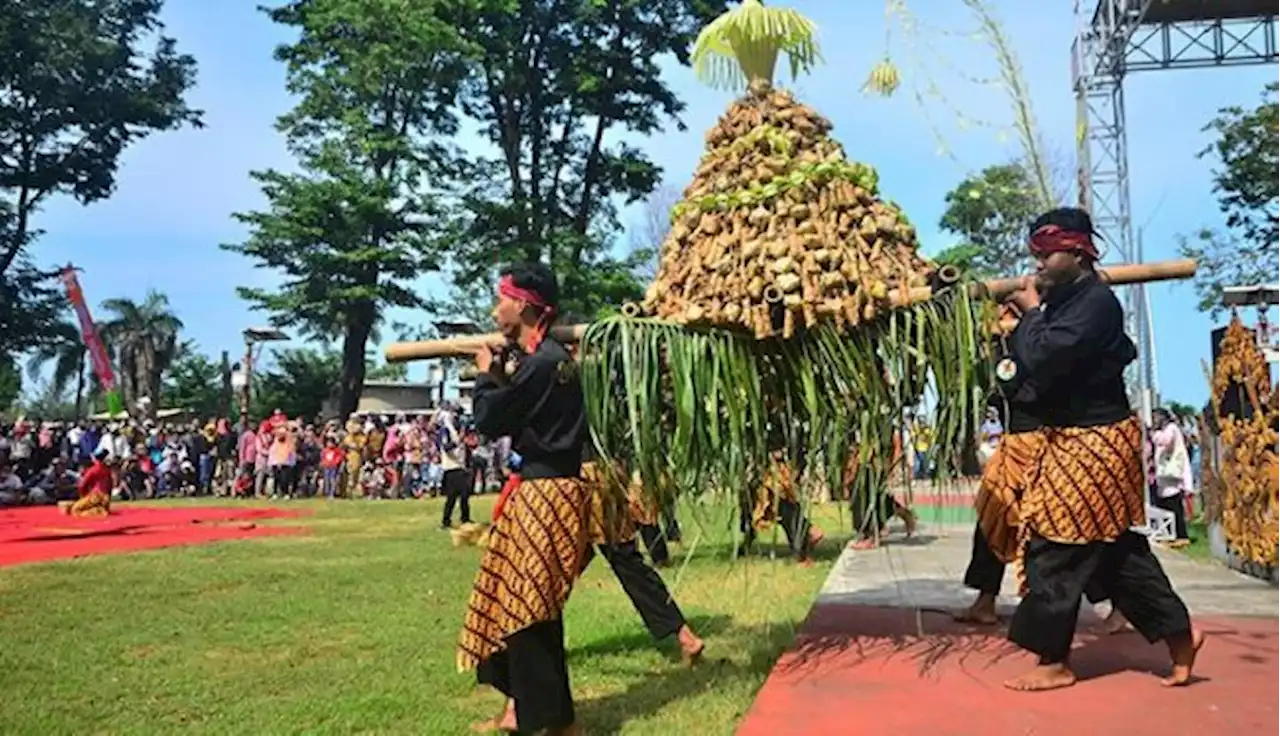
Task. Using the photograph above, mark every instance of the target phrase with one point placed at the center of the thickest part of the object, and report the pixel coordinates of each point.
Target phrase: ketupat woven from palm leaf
(786, 312)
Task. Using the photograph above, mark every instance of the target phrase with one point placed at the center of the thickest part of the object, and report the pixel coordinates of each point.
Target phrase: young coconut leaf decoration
(791, 310)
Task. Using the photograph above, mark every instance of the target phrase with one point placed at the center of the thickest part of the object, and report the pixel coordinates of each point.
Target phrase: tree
(1247, 190)
(375, 81)
(45, 401)
(298, 382)
(32, 303)
(554, 85)
(655, 222)
(143, 342)
(77, 87)
(10, 382)
(67, 353)
(398, 372)
(194, 382)
(991, 212)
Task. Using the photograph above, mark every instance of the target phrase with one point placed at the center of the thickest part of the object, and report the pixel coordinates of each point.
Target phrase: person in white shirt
(1173, 472)
(456, 482)
(107, 443)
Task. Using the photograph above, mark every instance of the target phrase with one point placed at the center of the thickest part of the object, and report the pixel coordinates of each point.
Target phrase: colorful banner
(92, 342)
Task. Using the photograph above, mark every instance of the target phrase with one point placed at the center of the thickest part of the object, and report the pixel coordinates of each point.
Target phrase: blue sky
(177, 190)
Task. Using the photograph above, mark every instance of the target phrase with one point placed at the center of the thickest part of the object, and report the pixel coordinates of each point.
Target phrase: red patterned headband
(507, 287)
(1053, 239)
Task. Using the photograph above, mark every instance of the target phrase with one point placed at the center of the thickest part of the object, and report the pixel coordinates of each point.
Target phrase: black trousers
(532, 670)
(644, 586)
(1125, 570)
(794, 524)
(456, 485)
(985, 571)
(870, 514)
(655, 541)
(1174, 505)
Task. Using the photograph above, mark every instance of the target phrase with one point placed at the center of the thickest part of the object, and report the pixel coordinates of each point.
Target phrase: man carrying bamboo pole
(513, 634)
(1086, 487)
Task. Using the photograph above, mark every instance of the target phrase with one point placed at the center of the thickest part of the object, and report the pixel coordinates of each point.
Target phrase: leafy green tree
(32, 303)
(45, 401)
(1247, 188)
(10, 382)
(82, 80)
(991, 211)
(67, 353)
(194, 382)
(297, 381)
(554, 86)
(388, 372)
(963, 256)
(142, 339)
(375, 80)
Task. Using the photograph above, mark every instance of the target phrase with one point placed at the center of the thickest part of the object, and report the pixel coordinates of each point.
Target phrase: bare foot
(982, 612)
(1043, 677)
(1116, 623)
(816, 536)
(909, 521)
(691, 647)
(1183, 652)
(863, 544)
(505, 723)
(804, 561)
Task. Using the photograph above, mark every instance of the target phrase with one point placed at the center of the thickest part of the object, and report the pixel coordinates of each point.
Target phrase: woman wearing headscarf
(1172, 470)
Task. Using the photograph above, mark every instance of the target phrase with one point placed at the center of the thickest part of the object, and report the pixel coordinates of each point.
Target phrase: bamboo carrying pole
(998, 289)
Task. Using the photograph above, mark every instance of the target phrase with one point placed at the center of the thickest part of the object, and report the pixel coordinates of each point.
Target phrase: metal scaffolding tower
(1122, 36)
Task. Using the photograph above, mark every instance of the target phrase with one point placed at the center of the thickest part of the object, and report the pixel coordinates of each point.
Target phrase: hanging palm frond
(791, 310)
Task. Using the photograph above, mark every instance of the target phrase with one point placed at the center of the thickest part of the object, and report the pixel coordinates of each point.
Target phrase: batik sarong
(1086, 484)
(94, 503)
(1004, 481)
(533, 556)
(611, 519)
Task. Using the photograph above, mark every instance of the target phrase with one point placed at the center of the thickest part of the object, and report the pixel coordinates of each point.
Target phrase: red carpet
(40, 533)
(865, 670)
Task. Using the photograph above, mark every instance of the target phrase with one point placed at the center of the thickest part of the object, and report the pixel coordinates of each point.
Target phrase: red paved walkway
(865, 670)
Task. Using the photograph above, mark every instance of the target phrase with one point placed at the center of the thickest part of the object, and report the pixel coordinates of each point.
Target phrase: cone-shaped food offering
(790, 311)
(780, 231)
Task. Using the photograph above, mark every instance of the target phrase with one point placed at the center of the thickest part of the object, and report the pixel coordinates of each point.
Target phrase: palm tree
(143, 341)
(67, 353)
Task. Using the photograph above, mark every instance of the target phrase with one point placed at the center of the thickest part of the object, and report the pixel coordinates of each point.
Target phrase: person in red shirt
(331, 460)
(94, 490)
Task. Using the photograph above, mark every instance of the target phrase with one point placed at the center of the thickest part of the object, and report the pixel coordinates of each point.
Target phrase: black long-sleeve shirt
(1016, 396)
(540, 407)
(1072, 353)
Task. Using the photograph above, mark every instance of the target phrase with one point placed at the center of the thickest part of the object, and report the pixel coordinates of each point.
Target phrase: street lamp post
(242, 380)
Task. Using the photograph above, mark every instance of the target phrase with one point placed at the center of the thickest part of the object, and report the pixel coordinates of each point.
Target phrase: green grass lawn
(1198, 550)
(351, 629)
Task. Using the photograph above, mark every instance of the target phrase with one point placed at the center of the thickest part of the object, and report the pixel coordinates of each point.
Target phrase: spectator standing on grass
(1172, 468)
(246, 453)
(225, 456)
(261, 466)
(331, 466)
(457, 480)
